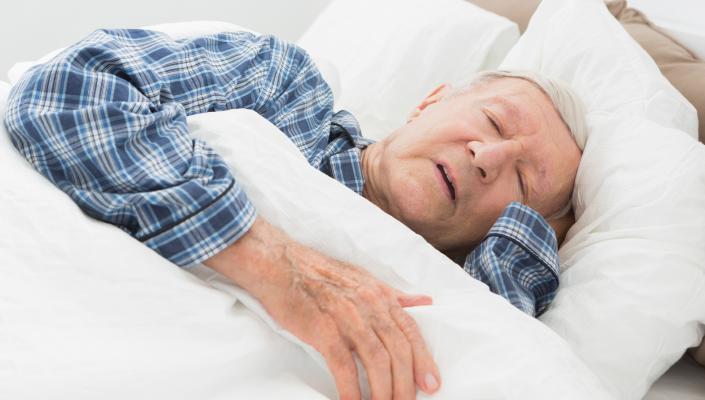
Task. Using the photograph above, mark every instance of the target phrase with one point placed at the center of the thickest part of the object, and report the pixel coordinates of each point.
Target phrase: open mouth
(444, 174)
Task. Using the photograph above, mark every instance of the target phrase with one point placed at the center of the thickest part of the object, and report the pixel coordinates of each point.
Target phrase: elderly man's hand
(337, 308)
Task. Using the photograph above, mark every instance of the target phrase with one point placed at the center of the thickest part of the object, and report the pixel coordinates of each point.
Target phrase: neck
(370, 159)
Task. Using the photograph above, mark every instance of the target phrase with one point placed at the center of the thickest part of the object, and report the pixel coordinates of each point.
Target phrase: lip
(442, 181)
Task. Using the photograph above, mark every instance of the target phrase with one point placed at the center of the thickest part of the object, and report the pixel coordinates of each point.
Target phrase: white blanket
(87, 311)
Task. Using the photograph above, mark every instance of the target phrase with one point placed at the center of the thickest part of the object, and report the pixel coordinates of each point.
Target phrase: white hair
(564, 99)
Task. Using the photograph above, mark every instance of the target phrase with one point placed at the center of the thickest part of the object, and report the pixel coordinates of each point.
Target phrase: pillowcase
(682, 68)
(631, 297)
(392, 53)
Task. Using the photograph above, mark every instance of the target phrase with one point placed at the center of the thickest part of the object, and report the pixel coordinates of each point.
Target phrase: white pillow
(392, 53)
(632, 297)
(611, 72)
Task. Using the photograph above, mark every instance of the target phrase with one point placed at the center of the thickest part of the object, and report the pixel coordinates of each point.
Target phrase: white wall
(31, 28)
(688, 13)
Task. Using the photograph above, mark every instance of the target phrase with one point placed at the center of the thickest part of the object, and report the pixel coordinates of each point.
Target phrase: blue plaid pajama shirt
(105, 121)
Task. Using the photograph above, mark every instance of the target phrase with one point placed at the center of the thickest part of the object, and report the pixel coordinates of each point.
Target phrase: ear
(434, 97)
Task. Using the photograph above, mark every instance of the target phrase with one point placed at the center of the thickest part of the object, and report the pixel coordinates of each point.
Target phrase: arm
(335, 307)
(105, 121)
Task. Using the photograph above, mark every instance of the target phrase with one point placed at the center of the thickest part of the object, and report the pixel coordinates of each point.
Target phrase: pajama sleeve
(518, 259)
(105, 121)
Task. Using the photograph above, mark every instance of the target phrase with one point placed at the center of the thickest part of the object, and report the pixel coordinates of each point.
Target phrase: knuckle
(346, 310)
(407, 324)
(369, 294)
(389, 294)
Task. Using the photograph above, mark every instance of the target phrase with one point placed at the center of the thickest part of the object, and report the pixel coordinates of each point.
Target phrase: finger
(413, 300)
(399, 351)
(370, 349)
(341, 363)
(426, 373)
(377, 363)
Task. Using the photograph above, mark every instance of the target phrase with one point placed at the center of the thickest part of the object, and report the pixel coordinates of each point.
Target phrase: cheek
(410, 198)
(489, 206)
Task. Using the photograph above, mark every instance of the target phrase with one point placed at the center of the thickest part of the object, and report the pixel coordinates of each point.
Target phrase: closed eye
(493, 122)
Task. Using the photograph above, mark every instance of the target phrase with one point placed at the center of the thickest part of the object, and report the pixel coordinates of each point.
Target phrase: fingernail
(431, 382)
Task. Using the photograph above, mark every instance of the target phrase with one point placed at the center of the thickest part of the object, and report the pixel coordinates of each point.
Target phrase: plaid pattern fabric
(518, 259)
(105, 121)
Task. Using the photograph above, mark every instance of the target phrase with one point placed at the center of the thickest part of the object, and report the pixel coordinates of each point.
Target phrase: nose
(489, 158)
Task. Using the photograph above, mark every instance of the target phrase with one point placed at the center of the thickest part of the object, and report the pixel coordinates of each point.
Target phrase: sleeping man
(477, 170)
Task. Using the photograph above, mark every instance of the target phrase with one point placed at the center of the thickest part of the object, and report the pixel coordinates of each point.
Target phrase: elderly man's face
(450, 171)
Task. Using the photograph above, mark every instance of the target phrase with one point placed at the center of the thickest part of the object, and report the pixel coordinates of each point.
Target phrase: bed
(85, 310)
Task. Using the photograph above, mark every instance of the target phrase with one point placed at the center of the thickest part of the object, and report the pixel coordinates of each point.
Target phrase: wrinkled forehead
(523, 107)
(517, 95)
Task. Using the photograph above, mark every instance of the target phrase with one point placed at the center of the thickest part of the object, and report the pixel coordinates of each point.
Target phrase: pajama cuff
(207, 232)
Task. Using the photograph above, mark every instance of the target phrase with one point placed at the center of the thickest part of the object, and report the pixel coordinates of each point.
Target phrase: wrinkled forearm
(254, 261)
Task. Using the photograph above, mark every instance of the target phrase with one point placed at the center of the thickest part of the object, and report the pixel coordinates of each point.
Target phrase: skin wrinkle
(454, 129)
(323, 284)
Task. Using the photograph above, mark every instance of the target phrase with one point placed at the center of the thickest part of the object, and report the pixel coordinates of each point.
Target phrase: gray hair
(564, 99)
